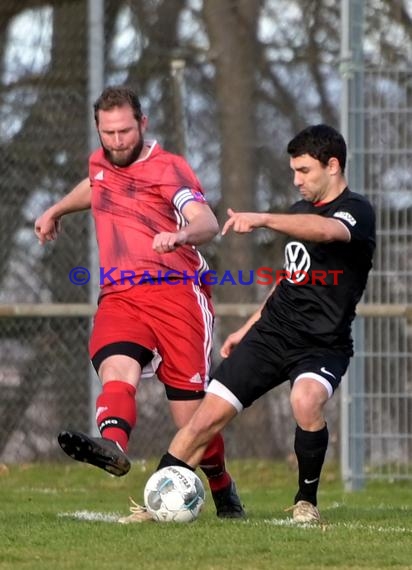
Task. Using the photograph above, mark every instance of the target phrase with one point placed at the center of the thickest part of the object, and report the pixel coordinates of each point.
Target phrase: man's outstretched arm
(311, 227)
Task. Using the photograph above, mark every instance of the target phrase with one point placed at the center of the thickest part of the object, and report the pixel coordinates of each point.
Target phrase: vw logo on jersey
(297, 261)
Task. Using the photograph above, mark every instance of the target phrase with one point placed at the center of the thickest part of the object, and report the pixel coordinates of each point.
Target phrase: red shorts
(174, 321)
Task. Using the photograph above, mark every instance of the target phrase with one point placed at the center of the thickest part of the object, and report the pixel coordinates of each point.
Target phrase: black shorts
(264, 360)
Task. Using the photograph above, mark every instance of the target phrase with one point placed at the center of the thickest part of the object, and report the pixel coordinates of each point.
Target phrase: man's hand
(231, 341)
(165, 242)
(47, 227)
(243, 222)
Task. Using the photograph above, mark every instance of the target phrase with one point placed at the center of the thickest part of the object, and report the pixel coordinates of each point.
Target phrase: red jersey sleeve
(180, 185)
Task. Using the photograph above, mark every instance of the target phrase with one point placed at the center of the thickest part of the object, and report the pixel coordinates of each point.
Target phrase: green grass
(41, 526)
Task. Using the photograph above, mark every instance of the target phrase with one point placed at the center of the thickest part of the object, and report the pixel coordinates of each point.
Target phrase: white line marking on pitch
(351, 526)
(91, 516)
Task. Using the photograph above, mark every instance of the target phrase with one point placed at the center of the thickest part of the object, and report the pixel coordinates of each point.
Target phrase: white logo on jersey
(196, 379)
(297, 261)
(99, 175)
(345, 216)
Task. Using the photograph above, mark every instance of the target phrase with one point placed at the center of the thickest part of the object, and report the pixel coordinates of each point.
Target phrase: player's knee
(305, 407)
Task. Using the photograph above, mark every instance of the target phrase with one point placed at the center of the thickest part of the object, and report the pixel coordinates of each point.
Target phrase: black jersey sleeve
(357, 214)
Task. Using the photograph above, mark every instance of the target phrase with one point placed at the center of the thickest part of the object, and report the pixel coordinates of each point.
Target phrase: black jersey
(314, 305)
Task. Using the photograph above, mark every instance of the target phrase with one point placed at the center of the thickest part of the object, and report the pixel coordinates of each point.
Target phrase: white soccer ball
(174, 494)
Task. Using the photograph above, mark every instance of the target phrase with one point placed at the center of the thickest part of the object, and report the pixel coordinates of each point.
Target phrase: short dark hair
(117, 96)
(321, 142)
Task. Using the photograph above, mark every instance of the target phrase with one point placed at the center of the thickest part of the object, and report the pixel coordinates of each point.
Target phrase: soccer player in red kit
(154, 314)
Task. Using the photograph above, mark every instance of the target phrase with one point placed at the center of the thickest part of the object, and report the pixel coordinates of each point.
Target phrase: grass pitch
(63, 517)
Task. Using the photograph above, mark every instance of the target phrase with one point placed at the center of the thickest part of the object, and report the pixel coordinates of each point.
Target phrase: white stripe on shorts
(215, 387)
(317, 377)
(207, 317)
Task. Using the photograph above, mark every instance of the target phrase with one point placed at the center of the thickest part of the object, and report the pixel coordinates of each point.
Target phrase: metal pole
(344, 393)
(95, 86)
(352, 127)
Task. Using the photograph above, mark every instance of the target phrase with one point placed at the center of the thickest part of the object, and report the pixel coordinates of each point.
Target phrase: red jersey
(132, 204)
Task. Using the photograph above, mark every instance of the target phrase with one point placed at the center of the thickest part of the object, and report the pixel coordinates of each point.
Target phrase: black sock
(310, 449)
(169, 460)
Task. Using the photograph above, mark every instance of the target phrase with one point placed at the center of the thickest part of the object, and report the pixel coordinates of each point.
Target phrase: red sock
(116, 411)
(213, 464)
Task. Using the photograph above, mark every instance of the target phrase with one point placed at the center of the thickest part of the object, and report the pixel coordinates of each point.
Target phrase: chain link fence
(168, 52)
(377, 414)
(162, 50)
(47, 385)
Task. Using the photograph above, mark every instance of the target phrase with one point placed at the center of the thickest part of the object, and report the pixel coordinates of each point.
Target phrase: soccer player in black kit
(302, 333)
